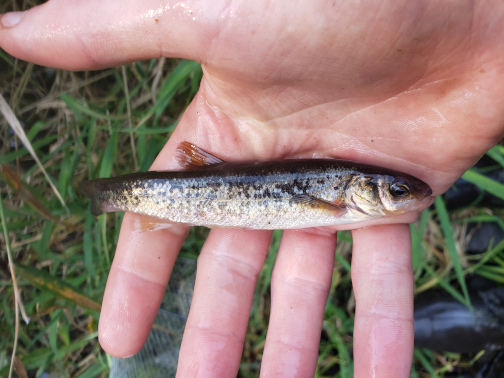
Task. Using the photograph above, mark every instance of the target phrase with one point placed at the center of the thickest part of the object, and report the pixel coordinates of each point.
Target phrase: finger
(228, 267)
(136, 285)
(300, 286)
(383, 284)
(96, 33)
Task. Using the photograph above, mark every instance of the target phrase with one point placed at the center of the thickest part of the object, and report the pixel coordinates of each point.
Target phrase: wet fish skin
(262, 195)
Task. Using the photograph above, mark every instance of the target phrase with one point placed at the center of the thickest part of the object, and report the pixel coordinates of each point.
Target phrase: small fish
(260, 195)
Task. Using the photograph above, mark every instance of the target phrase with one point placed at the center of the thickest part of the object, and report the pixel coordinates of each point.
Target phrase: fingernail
(11, 19)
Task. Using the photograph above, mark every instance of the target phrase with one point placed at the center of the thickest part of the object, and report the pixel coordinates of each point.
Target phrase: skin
(412, 86)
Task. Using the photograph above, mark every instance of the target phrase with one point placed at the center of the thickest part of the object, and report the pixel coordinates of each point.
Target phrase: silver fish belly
(266, 195)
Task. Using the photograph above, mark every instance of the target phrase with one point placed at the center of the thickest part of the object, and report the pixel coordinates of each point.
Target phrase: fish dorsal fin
(307, 200)
(191, 157)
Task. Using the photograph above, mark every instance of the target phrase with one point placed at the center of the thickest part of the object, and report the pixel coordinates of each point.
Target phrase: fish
(277, 194)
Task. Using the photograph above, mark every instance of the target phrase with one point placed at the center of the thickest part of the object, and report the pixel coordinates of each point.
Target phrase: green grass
(99, 125)
(62, 261)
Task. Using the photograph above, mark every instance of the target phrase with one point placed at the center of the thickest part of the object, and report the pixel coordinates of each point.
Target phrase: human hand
(409, 86)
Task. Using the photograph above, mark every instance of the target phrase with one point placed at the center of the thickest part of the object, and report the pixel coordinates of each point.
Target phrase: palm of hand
(407, 86)
(418, 95)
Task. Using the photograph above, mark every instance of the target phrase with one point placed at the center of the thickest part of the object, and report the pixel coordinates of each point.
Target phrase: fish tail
(90, 189)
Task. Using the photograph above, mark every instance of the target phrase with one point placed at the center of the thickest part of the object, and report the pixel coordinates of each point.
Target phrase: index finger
(136, 284)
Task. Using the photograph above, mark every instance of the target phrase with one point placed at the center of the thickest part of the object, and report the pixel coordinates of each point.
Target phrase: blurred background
(84, 125)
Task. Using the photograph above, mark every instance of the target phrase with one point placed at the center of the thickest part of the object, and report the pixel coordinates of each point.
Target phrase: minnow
(281, 194)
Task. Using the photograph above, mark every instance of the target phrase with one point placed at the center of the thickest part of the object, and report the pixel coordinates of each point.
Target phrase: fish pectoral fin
(191, 157)
(307, 200)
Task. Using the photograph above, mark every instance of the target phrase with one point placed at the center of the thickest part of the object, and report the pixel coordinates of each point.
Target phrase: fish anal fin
(337, 207)
(191, 157)
(145, 223)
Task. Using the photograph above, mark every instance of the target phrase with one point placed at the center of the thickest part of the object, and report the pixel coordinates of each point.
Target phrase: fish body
(261, 195)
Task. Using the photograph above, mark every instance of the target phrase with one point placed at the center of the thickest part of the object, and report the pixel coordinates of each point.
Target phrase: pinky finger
(382, 278)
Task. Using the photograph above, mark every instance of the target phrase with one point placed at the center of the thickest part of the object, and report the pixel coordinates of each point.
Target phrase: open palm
(412, 86)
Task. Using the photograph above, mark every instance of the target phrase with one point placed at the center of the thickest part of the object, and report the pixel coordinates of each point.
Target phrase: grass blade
(17, 297)
(450, 244)
(77, 108)
(25, 192)
(345, 363)
(497, 153)
(109, 155)
(9, 158)
(55, 285)
(446, 286)
(420, 356)
(88, 244)
(485, 183)
(128, 112)
(12, 120)
(417, 234)
(176, 79)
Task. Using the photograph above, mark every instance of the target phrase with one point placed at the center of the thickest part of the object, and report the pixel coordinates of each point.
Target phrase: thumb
(92, 34)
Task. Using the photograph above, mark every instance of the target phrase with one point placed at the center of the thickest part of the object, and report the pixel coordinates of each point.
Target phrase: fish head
(376, 195)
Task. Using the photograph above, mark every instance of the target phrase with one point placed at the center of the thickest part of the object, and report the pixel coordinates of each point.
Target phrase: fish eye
(399, 190)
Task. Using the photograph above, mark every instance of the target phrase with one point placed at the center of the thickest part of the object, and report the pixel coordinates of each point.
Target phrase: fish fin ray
(306, 199)
(191, 157)
(145, 223)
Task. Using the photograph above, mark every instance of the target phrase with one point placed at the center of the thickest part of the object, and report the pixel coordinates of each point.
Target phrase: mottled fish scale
(266, 195)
